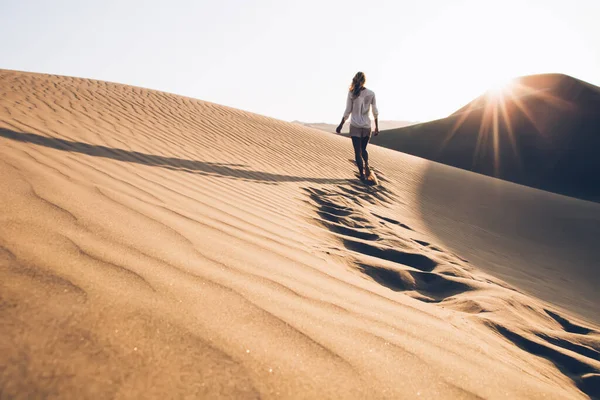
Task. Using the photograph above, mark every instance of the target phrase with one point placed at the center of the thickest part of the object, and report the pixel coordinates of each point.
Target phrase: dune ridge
(540, 132)
(153, 245)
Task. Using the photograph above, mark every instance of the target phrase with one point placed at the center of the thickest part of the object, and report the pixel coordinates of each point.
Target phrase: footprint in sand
(427, 286)
(576, 361)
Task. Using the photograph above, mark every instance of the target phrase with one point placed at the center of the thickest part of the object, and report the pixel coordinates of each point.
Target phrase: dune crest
(541, 131)
(157, 246)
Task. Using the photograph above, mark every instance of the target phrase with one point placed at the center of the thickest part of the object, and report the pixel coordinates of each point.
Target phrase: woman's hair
(358, 83)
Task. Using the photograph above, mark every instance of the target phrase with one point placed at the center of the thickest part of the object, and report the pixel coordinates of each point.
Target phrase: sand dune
(157, 246)
(542, 132)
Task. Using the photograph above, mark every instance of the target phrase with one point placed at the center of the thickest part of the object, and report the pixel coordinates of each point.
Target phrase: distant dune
(543, 133)
(346, 129)
(155, 246)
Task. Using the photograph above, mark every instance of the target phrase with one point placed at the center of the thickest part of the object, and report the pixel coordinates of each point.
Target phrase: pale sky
(294, 60)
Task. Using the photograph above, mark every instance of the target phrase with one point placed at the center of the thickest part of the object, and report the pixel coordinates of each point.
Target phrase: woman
(360, 101)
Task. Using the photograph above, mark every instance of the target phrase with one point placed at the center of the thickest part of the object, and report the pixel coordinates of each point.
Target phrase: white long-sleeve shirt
(359, 108)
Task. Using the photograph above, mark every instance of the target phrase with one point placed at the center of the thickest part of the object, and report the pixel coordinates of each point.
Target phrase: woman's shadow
(234, 171)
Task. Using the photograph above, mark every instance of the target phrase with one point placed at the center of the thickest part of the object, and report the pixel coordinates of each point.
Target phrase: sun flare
(501, 87)
(504, 103)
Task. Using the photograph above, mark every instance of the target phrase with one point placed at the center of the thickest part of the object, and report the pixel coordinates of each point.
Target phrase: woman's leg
(357, 144)
(364, 141)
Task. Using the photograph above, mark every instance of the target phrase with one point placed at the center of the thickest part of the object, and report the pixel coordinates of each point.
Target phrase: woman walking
(360, 101)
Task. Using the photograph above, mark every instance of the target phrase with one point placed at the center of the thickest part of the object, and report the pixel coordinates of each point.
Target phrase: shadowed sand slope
(542, 131)
(157, 246)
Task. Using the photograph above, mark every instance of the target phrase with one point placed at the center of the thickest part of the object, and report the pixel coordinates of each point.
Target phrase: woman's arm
(375, 115)
(339, 128)
(347, 112)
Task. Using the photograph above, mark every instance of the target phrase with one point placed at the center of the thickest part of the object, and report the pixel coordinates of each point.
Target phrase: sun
(501, 87)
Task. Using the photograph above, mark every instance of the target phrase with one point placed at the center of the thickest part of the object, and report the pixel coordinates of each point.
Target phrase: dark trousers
(360, 152)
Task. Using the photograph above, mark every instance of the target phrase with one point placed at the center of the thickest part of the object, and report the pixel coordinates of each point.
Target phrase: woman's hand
(376, 131)
(339, 128)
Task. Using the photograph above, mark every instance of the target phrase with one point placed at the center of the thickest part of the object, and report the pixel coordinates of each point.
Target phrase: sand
(157, 246)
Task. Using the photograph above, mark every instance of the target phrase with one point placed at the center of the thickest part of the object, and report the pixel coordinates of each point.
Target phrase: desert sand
(158, 246)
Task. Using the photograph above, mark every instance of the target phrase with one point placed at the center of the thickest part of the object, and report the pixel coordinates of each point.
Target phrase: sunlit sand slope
(156, 246)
